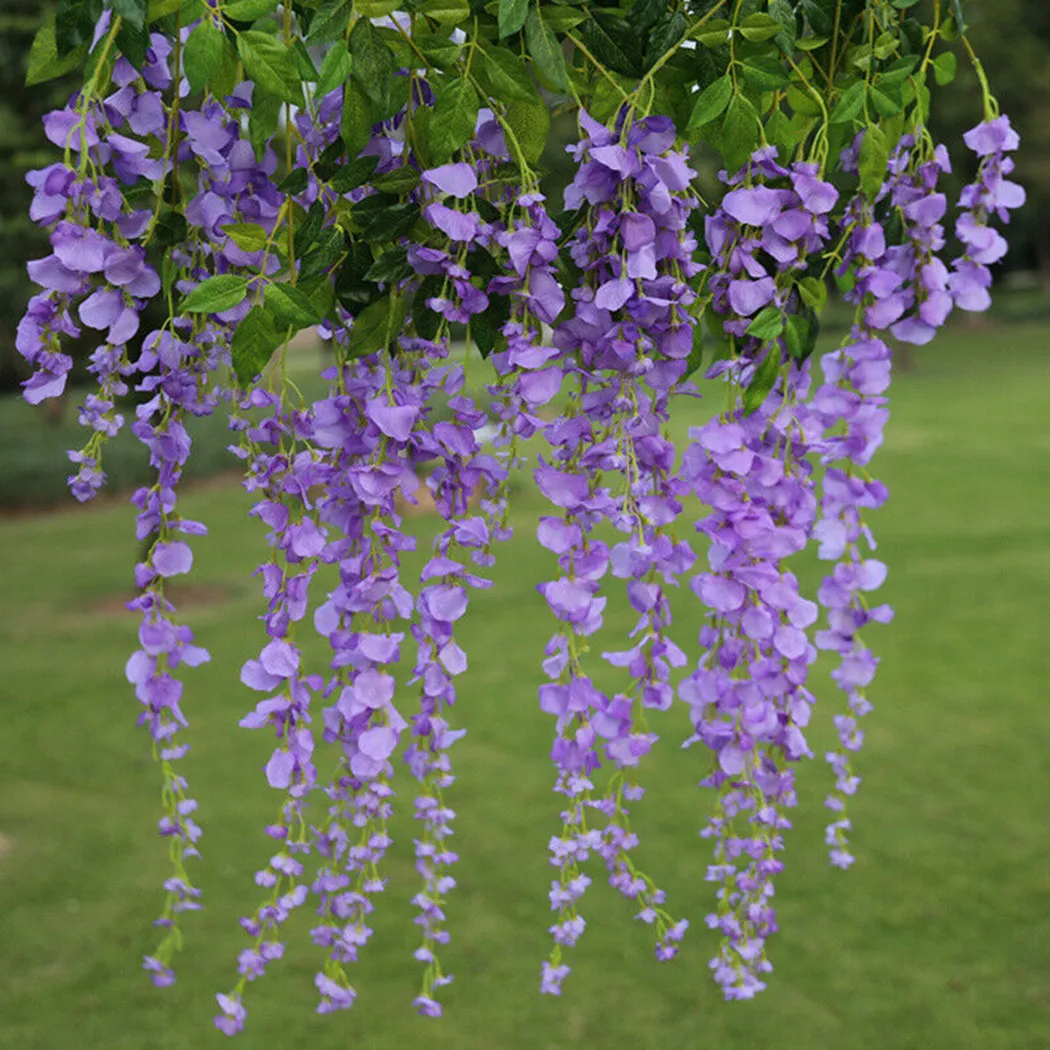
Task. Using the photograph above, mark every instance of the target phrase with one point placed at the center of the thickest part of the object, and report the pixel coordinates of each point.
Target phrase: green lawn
(937, 939)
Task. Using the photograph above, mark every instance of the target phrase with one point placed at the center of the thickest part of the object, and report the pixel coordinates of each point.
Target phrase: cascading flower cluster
(372, 179)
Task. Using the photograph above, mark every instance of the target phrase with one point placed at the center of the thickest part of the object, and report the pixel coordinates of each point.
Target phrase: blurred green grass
(938, 938)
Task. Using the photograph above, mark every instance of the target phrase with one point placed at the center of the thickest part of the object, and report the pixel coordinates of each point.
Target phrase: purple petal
(172, 559)
(458, 180)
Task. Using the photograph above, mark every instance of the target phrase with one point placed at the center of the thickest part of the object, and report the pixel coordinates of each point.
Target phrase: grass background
(938, 938)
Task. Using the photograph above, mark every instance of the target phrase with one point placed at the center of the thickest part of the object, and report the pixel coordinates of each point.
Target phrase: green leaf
(763, 380)
(741, 132)
(814, 292)
(225, 77)
(426, 322)
(389, 267)
(132, 11)
(886, 98)
(356, 127)
(376, 8)
(562, 19)
(249, 10)
(759, 27)
(696, 354)
(800, 334)
(713, 33)
(512, 15)
(604, 48)
(530, 122)
(330, 247)
(763, 72)
(377, 326)
(253, 344)
(850, 105)
(784, 14)
(400, 181)
(270, 64)
(944, 66)
(335, 69)
(609, 95)
(439, 50)
(664, 37)
(329, 22)
(262, 119)
(353, 174)
(216, 295)
(294, 182)
(545, 51)
(782, 132)
(247, 236)
(710, 104)
(44, 63)
(374, 68)
(874, 157)
(381, 218)
(159, 9)
(202, 54)
(811, 43)
(503, 74)
(767, 324)
(307, 229)
(446, 12)
(132, 42)
(290, 306)
(455, 117)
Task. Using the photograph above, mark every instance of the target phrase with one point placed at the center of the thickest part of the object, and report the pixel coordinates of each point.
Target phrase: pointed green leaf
(710, 104)
(202, 54)
(455, 117)
(377, 326)
(247, 236)
(767, 324)
(944, 66)
(874, 157)
(763, 380)
(712, 33)
(329, 22)
(390, 266)
(545, 51)
(400, 181)
(290, 306)
(512, 15)
(132, 11)
(849, 106)
(249, 10)
(758, 27)
(270, 64)
(353, 174)
(446, 12)
(357, 121)
(503, 74)
(814, 292)
(253, 344)
(44, 63)
(335, 69)
(216, 295)
(741, 132)
(530, 122)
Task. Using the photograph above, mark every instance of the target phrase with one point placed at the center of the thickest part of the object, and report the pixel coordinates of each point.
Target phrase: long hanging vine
(372, 169)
